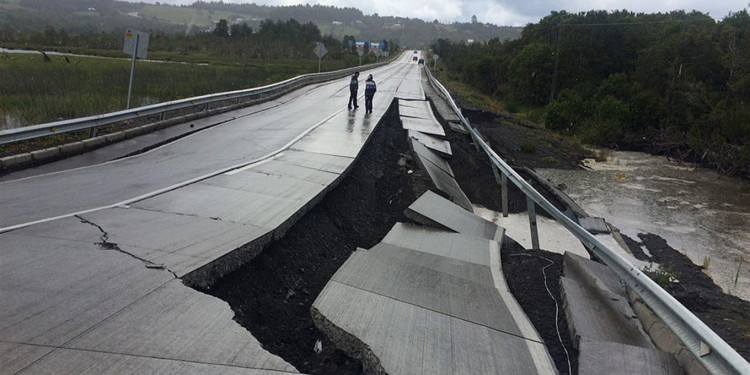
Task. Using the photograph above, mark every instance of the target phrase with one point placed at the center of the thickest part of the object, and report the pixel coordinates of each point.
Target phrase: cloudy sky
(503, 12)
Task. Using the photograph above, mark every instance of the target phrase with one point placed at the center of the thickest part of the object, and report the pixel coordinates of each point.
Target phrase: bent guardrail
(90, 122)
(710, 349)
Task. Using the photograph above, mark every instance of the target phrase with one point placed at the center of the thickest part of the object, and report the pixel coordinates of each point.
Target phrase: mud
(529, 273)
(272, 295)
(727, 315)
(474, 174)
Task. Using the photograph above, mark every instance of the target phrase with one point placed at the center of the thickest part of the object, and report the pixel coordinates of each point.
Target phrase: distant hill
(83, 16)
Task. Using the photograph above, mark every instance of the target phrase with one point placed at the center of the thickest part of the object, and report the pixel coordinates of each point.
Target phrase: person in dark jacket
(353, 88)
(370, 89)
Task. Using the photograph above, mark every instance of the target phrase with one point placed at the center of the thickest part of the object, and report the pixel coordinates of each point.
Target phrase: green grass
(34, 91)
(337, 31)
(189, 16)
(527, 147)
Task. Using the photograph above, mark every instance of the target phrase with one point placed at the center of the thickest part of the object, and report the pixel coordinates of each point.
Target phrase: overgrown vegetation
(34, 91)
(661, 275)
(675, 83)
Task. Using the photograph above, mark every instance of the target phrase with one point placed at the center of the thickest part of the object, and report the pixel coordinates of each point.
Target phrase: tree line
(278, 39)
(675, 83)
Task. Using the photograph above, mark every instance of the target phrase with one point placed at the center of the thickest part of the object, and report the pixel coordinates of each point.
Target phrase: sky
(502, 12)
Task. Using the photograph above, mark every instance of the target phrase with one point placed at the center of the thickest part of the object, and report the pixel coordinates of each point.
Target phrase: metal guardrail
(710, 349)
(90, 122)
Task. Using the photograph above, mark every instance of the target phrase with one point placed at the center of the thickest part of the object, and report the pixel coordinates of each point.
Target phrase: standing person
(353, 88)
(370, 89)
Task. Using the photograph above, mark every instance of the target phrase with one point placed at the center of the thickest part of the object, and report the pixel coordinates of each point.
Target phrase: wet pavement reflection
(699, 212)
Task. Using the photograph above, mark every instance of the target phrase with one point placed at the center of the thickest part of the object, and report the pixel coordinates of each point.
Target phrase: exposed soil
(727, 315)
(474, 174)
(520, 144)
(272, 295)
(529, 273)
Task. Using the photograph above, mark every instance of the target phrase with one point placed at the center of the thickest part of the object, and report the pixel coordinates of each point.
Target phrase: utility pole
(557, 63)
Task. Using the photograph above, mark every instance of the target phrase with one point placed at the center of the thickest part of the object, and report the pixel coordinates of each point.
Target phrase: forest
(25, 18)
(673, 83)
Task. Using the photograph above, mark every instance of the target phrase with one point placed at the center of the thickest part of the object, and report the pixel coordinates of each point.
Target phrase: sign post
(435, 57)
(320, 51)
(360, 53)
(136, 45)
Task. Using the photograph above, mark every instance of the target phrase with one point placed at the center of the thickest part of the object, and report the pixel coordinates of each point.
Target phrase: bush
(527, 147)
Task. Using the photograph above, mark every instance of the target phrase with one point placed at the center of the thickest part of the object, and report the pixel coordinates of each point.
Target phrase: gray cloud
(503, 12)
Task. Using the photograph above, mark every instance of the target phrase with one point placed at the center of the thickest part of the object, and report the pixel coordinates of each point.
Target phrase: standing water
(697, 211)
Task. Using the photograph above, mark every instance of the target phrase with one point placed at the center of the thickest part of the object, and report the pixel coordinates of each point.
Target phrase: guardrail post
(501, 180)
(532, 223)
(504, 193)
(92, 132)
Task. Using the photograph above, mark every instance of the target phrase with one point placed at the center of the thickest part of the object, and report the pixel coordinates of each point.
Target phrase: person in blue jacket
(370, 89)
(353, 88)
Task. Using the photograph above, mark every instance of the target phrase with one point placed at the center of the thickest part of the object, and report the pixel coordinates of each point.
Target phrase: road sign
(136, 45)
(136, 40)
(320, 50)
(435, 57)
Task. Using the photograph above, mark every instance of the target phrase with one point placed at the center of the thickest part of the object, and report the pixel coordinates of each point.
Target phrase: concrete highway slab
(620, 359)
(437, 242)
(422, 125)
(429, 155)
(470, 271)
(280, 167)
(53, 289)
(100, 289)
(596, 315)
(434, 143)
(224, 204)
(15, 357)
(422, 105)
(322, 162)
(408, 339)
(427, 288)
(445, 183)
(431, 208)
(230, 144)
(175, 322)
(80, 362)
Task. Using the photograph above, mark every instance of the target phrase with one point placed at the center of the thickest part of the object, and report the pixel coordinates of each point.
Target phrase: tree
(474, 19)
(240, 31)
(222, 29)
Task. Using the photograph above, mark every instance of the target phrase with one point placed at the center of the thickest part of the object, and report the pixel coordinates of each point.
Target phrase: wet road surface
(232, 144)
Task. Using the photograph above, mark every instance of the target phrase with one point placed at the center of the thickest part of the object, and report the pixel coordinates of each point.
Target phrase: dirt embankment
(528, 272)
(727, 315)
(271, 296)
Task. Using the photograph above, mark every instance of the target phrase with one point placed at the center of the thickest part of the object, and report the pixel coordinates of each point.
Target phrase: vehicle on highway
(421, 62)
(414, 58)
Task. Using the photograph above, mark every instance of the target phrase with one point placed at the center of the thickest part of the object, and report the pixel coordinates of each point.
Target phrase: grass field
(188, 16)
(337, 31)
(33, 91)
